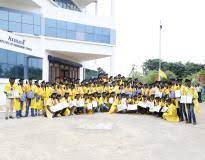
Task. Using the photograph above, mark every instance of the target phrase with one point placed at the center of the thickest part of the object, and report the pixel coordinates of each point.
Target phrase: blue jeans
(191, 114)
(182, 112)
(28, 103)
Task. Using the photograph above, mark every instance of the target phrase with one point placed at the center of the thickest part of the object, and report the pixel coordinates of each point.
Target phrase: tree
(136, 75)
(151, 76)
(170, 75)
(178, 68)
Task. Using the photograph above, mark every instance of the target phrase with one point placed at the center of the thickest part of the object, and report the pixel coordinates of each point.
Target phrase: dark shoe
(11, 117)
(6, 118)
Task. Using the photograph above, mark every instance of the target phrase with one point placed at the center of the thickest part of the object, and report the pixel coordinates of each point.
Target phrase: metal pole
(26, 67)
(160, 54)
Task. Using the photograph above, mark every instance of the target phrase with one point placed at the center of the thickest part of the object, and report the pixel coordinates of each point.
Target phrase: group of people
(172, 100)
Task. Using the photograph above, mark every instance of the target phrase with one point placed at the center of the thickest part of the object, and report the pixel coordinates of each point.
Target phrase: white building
(45, 39)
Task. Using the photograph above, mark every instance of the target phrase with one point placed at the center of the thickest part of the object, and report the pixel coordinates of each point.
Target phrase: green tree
(178, 68)
(151, 76)
(136, 74)
(170, 75)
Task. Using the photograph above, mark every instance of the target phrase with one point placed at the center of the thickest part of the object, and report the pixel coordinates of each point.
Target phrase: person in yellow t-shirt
(52, 100)
(113, 108)
(31, 91)
(22, 95)
(171, 114)
(9, 90)
(182, 107)
(192, 94)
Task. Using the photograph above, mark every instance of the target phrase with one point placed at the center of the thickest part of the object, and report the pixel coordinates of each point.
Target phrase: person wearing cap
(9, 90)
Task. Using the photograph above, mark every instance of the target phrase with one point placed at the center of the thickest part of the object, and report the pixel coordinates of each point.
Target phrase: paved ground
(101, 136)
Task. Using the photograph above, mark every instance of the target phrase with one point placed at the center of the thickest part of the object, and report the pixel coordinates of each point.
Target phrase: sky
(137, 26)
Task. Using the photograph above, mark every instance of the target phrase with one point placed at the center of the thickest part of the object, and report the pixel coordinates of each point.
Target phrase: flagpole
(160, 52)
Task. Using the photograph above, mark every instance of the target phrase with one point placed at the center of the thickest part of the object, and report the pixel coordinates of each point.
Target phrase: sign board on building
(10, 41)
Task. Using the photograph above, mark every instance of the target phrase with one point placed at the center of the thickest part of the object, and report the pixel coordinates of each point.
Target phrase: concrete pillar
(113, 64)
(26, 67)
(45, 68)
(96, 7)
(113, 8)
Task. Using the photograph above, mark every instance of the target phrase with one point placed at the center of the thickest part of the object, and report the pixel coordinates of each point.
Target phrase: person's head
(179, 81)
(54, 95)
(66, 95)
(30, 81)
(188, 82)
(57, 80)
(169, 101)
(36, 83)
(11, 80)
(21, 82)
(58, 96)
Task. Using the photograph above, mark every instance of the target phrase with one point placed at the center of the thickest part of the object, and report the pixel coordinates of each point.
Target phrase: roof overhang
(26, 2)
(78, 57)
(83, 3)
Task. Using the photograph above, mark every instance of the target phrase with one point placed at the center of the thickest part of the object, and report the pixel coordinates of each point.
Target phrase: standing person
(22, 95)
(9, 91)
(199, 90)
(30, 92)
(192, 95)
(180, 93)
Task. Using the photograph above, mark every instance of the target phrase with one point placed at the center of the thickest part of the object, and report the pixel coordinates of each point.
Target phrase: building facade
(45, 39)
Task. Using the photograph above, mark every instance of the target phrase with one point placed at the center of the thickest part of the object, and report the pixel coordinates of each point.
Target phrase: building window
(13, 64)
(67, 4)
(29, 23)
(19, 21)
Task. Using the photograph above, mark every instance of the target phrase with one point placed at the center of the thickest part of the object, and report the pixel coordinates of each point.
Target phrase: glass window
(80, 28)
(64, 5)
(61, 33)
(37, 30)
(3, 56)
(15, 17)
(4, 15)
(71, 35)
(35, 70)
(80, 36)
(12, 57)
(14, 27)
(71, 26)
(4, 25)
(89, 37)
(113, 37)
(97, 30)
(37, 20)
(3, 70)
(106, 31)
(28, 19)
(50, 23)
(51, 32)
(27, 28)
(98, 38)
(61, 24)
(89, 29)
(20, 59)
(12, 64)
